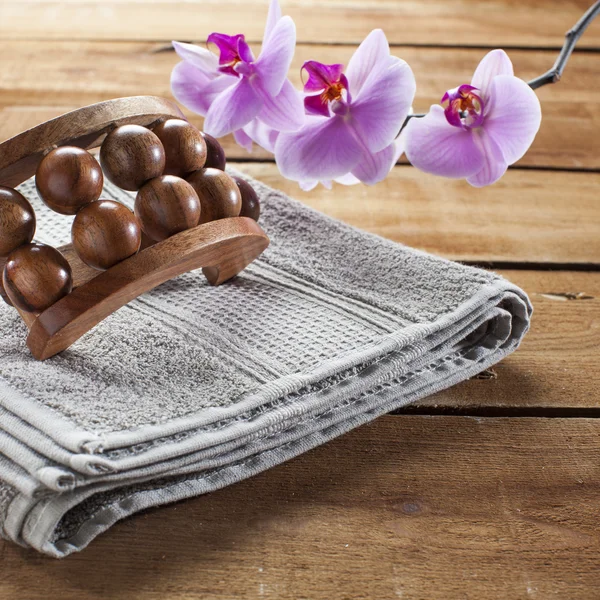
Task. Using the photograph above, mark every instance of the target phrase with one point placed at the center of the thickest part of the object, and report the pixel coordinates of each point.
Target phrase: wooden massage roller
(188, 214)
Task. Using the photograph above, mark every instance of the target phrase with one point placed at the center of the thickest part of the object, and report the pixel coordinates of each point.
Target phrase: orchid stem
(555, 73)
(571, 38)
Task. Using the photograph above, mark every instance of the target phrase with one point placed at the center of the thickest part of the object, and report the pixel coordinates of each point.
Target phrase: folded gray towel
(190, 387)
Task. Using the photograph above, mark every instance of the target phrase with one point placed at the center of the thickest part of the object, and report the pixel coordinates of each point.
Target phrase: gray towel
(191, 388)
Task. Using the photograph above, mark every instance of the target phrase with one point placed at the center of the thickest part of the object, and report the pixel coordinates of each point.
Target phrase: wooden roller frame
(221, 248)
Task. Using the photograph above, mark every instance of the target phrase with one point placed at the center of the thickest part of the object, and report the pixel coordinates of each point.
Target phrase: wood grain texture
(105, 233)
(17, 221)
(184, 145)
(417, 508)
(528, 216)
(250, 200)
(215, 153)
(85, 128)
(36, 276)
(73, 74)
(531, 23)
(167, 205)
(219, 194)
(68, 178)
(223, 248)
(131, 155)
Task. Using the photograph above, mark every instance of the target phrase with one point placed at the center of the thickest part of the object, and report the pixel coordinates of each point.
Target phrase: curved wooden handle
(85, 127)
(224, 247)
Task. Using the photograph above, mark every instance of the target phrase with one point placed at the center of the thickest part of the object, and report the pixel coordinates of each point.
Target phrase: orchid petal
(273, 17)
(373, 168)
(494, 165)
(276, 56)
(434, 146)
(494, 63)
(321, 76)
(314, 105)
(187, 84)
(262, 134)
(194, 89)
(245, 52)
(228, 45)
(382, 105)
(232, 109)
(398, 148)
(307, 186)
(372, 54)
(201, 58)
(284, 112)
(243, 139)
(514, 117)
(347, 179)
(323, 149)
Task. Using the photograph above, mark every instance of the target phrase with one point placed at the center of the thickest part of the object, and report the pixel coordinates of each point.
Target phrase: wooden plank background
(431, 508)
(522, 23)
(487, 490)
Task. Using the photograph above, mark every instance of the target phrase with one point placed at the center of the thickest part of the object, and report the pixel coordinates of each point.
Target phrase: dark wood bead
(250, 201)
(219, 194)
(215, 155)
(131, 155)
(167, 205)
(185, 148)
(36, 276)
(68, 178)
(104, 233)
(17, 220)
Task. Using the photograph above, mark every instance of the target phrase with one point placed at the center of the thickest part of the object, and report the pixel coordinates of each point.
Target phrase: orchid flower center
(326, 89)
(463, 107)
(333, 92)
(235, 56)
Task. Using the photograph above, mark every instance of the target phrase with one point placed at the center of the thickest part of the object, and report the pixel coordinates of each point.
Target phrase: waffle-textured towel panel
(191, 388)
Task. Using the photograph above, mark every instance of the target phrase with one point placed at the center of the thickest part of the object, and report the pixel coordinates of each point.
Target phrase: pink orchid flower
(485, 126)
(235, 90)
(354, 117)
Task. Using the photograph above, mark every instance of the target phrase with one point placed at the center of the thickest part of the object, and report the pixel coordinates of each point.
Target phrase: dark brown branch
(571, 38)
(555, 73)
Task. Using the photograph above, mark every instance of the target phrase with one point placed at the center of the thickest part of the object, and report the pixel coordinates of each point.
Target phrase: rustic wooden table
(488, 490)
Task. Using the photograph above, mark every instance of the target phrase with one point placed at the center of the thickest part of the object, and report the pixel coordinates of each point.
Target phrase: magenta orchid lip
(233, 51)
(464, 108)
(344, 125)
(326, 89)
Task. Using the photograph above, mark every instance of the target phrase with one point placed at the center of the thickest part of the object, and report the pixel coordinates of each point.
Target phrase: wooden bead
(167, 205)
(131, 155)
(219, 194)
(185, 148)
(104, 233)
(36, 276)
(17, 220)
(68, 178)
(215, 155)
(250, 201)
